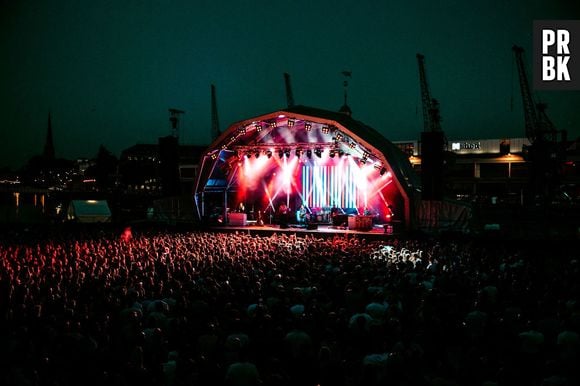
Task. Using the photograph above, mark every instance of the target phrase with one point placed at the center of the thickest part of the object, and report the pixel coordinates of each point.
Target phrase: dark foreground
(210, 308)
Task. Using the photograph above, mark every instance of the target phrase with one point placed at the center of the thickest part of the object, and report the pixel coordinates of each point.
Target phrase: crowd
(205, 308)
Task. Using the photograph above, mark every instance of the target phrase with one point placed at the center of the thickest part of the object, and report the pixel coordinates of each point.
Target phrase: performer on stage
(303, 214)
(283, 211)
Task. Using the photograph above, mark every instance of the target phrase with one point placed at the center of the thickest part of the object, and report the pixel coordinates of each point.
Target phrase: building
(141, 168)
(487, 168)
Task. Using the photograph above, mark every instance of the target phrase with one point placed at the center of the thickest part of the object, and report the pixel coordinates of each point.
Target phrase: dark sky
(109, 70)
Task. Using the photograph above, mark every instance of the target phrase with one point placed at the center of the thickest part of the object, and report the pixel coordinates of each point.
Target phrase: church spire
(49, 144)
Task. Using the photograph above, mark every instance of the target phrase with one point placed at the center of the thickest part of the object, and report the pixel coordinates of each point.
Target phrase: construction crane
(538, 125)
(433, 143)
(547, 149)
(215, 123)
(175, 119)
(289, 94)
(431, 116)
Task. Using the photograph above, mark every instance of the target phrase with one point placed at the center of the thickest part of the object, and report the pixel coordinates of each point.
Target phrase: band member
(241, 208)
(303, 214)
(283, 211)
(335, 211)
(337, 216)
(260, 220)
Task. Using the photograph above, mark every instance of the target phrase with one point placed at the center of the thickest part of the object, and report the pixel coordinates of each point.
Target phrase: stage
(378, 231)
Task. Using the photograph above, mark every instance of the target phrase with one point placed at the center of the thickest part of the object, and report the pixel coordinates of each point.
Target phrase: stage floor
(378, 231)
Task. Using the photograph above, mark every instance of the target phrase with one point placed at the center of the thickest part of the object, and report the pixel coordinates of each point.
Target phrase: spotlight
(309, 153)
(224, 146)
(331, 153)
(298, 152)
(290, 122)
(257, 154)
(352, 145)
(325, 130)
(214, 156)
(248, 154)
(258, 127)
(242, 130)
(269, 153)
(340, 153)
(273, 124)
(339, 137)
(280, 153)
(287, 153)
(307, 126)
(318, 152)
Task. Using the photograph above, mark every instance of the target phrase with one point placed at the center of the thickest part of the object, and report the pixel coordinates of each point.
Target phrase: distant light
(281, 116)
(91, 201)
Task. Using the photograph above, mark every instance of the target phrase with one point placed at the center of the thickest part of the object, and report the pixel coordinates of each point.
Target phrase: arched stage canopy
(304, 155)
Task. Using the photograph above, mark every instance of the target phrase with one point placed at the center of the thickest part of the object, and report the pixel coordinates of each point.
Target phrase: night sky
(109, 70)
